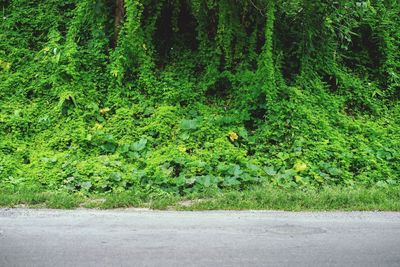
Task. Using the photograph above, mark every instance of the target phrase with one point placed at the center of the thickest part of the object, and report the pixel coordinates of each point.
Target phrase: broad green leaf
(139, 145)
(189, 124)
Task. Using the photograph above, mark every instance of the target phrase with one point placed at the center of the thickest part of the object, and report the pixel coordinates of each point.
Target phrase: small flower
(115, 72)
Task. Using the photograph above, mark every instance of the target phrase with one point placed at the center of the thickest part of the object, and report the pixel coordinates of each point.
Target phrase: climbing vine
(197, 95)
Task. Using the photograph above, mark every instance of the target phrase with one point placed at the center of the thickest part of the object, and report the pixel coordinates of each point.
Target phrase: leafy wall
(194, 95)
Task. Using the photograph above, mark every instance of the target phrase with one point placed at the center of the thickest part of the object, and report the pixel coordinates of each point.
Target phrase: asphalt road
(218, 238)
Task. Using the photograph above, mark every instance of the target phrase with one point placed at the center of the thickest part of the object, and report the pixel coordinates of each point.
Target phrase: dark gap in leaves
(220, 88)
(363, 52)
(257, 111)
(167, 38)
(331, 82)
(353, 107)
(30, 94)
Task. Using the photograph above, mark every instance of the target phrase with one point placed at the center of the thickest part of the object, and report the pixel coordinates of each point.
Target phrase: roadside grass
(33, 197)
(38, 199)
(262, 198)
(332, 198)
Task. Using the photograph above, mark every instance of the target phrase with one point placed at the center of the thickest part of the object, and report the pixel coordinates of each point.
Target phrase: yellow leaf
(299, 167)
(233, 136)
(5, 65)
(98, 126)
(104, 110)
(182, 149)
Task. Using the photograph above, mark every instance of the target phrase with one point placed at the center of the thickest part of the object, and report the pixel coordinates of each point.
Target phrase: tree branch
(256, 7)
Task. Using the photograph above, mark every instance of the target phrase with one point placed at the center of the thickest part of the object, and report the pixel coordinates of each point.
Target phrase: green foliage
(198, 96)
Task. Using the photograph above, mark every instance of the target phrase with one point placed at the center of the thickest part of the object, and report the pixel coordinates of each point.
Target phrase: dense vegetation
(189, 96)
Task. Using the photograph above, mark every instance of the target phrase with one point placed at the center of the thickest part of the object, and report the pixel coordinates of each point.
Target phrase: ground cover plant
(184, 98)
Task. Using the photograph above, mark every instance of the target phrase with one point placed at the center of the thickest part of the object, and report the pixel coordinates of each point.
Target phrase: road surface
(216, 238)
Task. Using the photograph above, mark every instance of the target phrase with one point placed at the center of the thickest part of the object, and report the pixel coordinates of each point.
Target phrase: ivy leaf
(231, 181)
(115, 176)
(204, 180)
(236, 171)
(381, 184)
(189, 124)
(334, 171)
(287, 174)
(124, 148)
(190, 181)
(139, 145)
(86, 185)
(109, 147)
(270, 171)
(184, 136)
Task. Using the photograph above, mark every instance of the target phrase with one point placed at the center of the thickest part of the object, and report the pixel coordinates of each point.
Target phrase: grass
(334, 198)
(55, 200)
(263, 198)
(35, 198)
